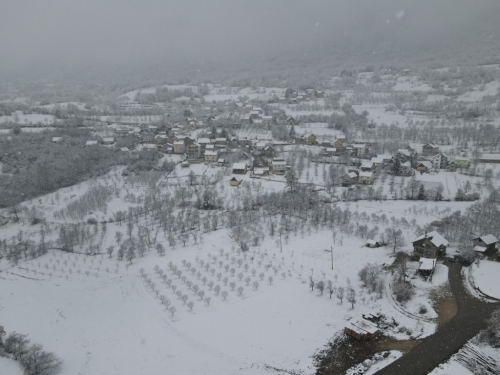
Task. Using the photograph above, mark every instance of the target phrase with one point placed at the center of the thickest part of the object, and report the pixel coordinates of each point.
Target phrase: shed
(362, 330)
(426, 267)
(234, 182)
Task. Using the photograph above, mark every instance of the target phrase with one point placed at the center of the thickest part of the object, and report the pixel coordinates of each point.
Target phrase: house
(269, 151)
(91, 143)
(430, 149)
(108, 141)
(373, 244)
(440, 161)
(367, 166)
(179, 147)
(278, 166)
(485, 244)
(424, 166)
(381, 160)
(239, 168)
(361, 330)
(339, 142)
(310, 139)
(405, 169)
(57, 139)
(211, 156)
(430, 245)
(360, 149)
(462, 162)
(330, 151)
(452, 166)
(193, 150)
(366, 178)
(221, 141)
(234, 182)
(350, 178)
(426, 266)
(261, 171)
(123, 150)
(490, 158)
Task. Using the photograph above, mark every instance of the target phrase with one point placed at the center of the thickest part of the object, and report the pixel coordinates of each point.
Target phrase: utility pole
(331, 253)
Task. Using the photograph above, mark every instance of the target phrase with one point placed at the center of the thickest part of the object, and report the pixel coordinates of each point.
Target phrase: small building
(350, 178)
(339, 142)
(406, 169)
(430, 245)
(108, 141)
(179, 147)
(330, 151)
(452, 166)
(485, 244)
(426, 266)
(367, 166)
(211, 156)
(57, 139)
(261, 171)
(366, 178)
(269, 151)
(462, 162)
(239, 168)
(185, 164)
(310, 139)
(360, 149)
(430, 149)
(424, 166)
(440, 161)
(234, 182)
(123, 150)
(490, 158)
(373, 244)
(362, 330)
(278, 166)
(91, 143)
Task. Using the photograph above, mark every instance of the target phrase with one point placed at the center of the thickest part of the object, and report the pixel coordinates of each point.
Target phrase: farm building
(362, 330)
(485, 244)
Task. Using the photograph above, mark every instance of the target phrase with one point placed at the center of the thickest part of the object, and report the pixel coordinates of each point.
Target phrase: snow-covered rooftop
(435, 238)
(427, 264)
(489, 239)
(239, 166)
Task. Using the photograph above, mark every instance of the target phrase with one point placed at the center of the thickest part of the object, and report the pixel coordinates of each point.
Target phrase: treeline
(33, 358)
(33, 165)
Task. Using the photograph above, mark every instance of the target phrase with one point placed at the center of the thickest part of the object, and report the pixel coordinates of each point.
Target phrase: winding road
(437, 348)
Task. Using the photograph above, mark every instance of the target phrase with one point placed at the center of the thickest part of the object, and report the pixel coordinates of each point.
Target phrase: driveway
(437, 348)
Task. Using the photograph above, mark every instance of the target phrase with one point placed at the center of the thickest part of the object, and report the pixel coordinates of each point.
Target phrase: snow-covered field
(100, 316)
(486, 276)
(21, 118)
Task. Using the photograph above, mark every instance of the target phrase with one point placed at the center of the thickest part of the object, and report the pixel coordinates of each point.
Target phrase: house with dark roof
(430, 245)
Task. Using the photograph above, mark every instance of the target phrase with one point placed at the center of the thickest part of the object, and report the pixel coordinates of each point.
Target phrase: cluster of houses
(429, 247)
(295, 97)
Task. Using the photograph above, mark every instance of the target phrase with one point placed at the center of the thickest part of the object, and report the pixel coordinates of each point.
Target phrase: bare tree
(340, 293)
(351, 296)
(37, 361)
(330, 288)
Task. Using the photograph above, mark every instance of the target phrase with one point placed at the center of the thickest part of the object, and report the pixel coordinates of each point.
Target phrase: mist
(70, 34)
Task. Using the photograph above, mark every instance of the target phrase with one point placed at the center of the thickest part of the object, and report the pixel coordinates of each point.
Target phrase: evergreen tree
(396, 165)
(421, 193)
(292, 133)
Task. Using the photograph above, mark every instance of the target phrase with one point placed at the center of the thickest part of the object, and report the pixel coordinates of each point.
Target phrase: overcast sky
(77, 33)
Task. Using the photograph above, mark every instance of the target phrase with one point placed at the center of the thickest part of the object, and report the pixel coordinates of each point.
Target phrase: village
(270, 198)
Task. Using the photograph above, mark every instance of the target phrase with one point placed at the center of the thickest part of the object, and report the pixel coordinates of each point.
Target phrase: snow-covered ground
(21, 118)
(9, 366)
(486, 276)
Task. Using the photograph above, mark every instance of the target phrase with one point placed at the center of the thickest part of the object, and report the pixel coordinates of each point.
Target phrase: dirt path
(447, 309)
(451, 336)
